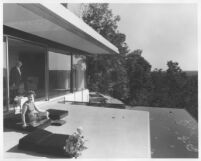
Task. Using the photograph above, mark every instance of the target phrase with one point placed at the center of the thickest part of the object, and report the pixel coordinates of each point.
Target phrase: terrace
(134, 132)
(111, 133)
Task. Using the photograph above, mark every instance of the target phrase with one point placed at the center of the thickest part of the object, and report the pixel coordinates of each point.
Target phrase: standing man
(15, 79)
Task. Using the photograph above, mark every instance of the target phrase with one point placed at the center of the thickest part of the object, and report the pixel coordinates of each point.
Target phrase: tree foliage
(101, 19)
(106, 73)
(175, 82)
(174, 89)
(138, 70)
(128, 77)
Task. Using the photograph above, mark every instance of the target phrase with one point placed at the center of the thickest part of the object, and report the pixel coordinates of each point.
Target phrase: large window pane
(32, 70)
(59, 73)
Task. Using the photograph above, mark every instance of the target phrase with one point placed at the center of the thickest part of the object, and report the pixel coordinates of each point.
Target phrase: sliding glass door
(31, 73)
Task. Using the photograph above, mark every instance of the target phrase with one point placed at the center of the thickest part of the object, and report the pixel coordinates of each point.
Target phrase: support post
(71, 74)
(46, 75)
(8, 76)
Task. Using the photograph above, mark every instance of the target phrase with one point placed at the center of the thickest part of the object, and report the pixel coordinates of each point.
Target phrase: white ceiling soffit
(55, 22)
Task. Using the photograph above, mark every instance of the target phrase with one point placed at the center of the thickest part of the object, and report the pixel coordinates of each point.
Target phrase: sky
(163, 31)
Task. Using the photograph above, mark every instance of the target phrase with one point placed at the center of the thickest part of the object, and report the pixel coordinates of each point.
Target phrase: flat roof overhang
(54, 22)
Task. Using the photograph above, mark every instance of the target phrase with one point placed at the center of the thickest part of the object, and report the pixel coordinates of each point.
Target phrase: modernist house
(52, 43)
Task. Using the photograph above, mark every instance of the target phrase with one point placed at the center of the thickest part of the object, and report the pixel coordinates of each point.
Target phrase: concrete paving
(174, 132)
(111, 133)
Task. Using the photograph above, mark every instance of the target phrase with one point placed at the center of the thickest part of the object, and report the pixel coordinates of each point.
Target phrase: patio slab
(174, 132)
(111, 133)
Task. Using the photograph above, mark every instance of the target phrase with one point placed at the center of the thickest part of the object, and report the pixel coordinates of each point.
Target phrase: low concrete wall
(78, 96)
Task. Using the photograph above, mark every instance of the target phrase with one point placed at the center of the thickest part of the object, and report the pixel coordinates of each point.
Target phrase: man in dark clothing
(15, 80)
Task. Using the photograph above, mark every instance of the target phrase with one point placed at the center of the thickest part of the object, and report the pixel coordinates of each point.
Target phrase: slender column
(71, 74)
(46, 75)
(8, 76)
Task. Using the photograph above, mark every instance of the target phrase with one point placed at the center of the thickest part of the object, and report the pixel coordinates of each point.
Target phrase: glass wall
(29, 76)
(59, 73)
(47, 73)
(32, 70)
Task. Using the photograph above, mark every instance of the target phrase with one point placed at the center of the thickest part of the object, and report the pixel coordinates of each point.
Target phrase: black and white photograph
(100, 80)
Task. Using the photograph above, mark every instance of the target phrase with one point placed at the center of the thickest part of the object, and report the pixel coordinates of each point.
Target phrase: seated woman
(30, 113)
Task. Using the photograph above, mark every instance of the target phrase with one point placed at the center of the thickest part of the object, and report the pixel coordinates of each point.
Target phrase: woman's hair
(30, 92)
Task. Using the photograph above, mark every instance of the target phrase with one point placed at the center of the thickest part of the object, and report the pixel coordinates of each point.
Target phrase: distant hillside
(191, 73)
(188, 73)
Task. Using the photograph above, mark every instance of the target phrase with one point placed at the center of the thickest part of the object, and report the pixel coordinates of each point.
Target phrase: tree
(175, 81)
(107, 73)
(159, 88)
(140, 85)
(101, 19)
(190, 95)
